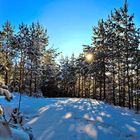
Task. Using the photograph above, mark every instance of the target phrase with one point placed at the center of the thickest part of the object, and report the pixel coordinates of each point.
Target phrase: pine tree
(38, 40)
(7, 50)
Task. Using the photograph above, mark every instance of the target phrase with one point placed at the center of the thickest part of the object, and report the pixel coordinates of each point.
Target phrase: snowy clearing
(76, 119)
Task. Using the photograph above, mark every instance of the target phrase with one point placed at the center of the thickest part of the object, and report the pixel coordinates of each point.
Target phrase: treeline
(24, 58)
(112, 74)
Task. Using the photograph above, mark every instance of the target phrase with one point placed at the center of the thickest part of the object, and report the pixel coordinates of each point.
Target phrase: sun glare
(89, 57)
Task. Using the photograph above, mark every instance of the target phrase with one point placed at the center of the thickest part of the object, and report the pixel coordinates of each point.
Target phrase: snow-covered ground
(76, 119)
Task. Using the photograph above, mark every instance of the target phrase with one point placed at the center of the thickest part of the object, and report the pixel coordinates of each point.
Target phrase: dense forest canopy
(113, 75)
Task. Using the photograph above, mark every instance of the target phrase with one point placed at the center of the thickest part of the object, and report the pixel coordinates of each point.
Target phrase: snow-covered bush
(38, 94)
(6, 93)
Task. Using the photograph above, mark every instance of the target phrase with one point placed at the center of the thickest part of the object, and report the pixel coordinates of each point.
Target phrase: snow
(6, 93)
(76, 119)
(19, 134)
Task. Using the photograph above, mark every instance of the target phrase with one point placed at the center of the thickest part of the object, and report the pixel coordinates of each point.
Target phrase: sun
(89, 57)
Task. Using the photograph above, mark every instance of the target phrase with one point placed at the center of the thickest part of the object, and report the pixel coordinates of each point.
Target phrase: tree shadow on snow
(84, 119)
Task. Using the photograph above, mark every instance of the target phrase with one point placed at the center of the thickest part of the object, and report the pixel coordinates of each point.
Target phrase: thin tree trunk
(114, 98)
(31, 82)
(6, 71)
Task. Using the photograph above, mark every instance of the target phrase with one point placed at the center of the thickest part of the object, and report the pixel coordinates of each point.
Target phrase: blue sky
(69, 22)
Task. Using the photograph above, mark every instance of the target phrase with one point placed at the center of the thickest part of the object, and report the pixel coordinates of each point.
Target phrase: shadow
(84, 119)
(79, 119)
